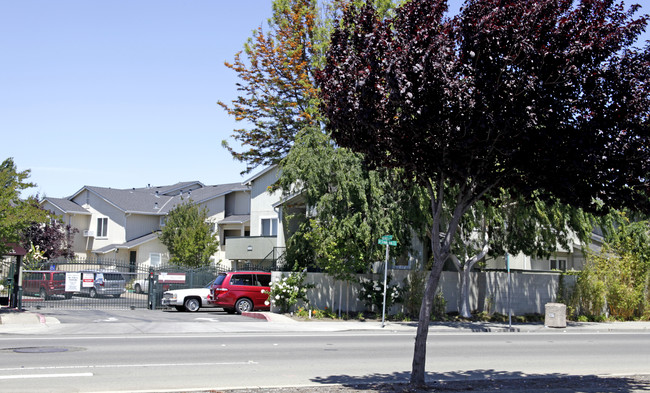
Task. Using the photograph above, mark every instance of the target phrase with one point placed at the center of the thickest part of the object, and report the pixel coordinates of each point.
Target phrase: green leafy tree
(188, 236)
(16, 214)
(513, 224)
(349, 207)
(619, 275)
(532, 96)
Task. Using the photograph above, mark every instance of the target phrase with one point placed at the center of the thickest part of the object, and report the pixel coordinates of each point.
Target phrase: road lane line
(31, 376)
(42, 368)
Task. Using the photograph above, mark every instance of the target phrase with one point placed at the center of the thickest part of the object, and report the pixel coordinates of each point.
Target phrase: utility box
(555, 315)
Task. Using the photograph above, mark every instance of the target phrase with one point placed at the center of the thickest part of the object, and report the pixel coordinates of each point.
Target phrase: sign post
(387, 240)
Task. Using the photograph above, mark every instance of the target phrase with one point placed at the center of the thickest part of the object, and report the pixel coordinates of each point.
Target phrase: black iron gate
(105, 284)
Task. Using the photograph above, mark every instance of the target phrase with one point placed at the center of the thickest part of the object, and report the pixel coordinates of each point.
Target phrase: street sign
(388, 241)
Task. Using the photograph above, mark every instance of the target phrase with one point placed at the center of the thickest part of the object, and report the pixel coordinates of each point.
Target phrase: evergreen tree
(188, 236)
(16, 214)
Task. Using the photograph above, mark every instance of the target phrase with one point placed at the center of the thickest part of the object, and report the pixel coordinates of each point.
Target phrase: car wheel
(117, 295)
(243, 305)
(92, 292)
(68, 295)
(192, 304)
(138, 288)
(42, 293)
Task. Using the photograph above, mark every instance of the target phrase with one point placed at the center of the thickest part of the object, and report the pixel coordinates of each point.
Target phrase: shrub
(287, 291)
(439, 309)
(413, 292)
(372, 293)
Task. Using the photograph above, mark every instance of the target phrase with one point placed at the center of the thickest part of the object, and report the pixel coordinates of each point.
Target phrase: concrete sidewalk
(27, 322)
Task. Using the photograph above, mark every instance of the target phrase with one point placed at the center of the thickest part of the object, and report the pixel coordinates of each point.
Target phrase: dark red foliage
(535, 95)
(53, 239)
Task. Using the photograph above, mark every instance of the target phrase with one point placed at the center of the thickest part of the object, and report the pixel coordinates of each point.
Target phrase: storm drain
(42, 349)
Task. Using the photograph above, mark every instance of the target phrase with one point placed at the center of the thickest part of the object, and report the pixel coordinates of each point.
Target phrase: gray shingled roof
(67, 206)
(130, 244)
(236, 219)
(174, 189)
(146, 201)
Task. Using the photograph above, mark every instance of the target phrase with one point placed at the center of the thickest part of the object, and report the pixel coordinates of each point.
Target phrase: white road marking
(42, 368)
(30, 376)
(207, 319)
(111, 319)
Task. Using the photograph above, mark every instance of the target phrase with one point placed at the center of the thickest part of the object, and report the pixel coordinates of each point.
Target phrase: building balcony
(250, 247)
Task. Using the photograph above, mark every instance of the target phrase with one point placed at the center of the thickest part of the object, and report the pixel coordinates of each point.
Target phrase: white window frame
(560, 264)
(273, 226)
(157, 256)
(102, 230)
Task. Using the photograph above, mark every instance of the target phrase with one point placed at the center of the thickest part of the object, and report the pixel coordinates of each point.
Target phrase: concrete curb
(10, 316)
(268, 316)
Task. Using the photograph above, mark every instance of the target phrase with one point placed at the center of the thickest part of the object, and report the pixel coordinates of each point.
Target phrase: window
(155, 259)
(263, 280)
(558, 264)
(102, 227)
(163, 221)
(241, 279)
(269, 226)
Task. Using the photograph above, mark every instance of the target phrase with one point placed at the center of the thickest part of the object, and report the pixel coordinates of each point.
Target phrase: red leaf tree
(541, 96)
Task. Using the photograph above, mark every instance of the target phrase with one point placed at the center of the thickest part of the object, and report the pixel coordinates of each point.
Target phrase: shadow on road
(490, 381)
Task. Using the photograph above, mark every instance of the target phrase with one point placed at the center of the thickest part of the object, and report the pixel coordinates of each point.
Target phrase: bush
(287, 291)
(372, 293)
(413, 292)
(439, 308)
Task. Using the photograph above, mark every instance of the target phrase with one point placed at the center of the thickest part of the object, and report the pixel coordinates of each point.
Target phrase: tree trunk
(465, 310)
(420, 352)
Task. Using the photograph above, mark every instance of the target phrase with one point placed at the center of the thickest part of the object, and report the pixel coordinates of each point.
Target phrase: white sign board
(171, 278)
(88, 280)
(73, 282)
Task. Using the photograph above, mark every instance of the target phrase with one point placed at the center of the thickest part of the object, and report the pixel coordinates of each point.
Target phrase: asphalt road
(214, 361)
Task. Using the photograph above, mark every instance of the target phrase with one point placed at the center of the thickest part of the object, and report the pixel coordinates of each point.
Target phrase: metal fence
(106, 284)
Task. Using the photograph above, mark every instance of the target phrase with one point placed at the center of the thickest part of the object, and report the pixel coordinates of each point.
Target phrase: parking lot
(70, 316)
(126, 301)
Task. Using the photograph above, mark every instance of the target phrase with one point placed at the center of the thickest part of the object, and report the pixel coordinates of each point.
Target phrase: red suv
(45, 283)
(241, 291)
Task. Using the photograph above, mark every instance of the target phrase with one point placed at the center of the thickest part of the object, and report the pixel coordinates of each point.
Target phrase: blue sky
(121, 93)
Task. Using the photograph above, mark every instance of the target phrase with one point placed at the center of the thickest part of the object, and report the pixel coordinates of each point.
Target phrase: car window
(59, 276)
(263, 280)
(113, 276)
(241, 279)
(219, 279)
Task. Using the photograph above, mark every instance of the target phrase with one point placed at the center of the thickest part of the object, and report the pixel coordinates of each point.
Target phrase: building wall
(216, 208)
(98, 207)
(78, 221)
(138, 225)
(262, 202)
(238, 202)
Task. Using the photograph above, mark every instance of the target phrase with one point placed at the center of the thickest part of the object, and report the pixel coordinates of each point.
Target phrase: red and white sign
(171, 278)
(87, 280)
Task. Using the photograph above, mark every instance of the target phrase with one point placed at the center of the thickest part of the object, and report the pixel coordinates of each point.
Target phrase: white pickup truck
(190, 299)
